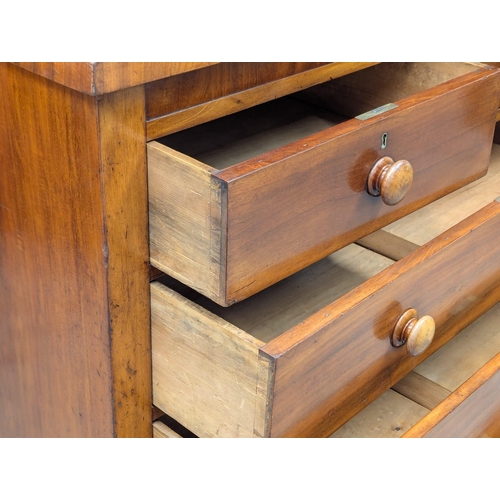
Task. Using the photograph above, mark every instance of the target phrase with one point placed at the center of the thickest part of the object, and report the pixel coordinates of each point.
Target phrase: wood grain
(160, 430)
(73, 262)
(389, 416)
(320, 368)
(451, 129)
(421, 390)
(55, 368)
(387, 244)
(452, 365)
(326, 176)
(473, 410)
(104, 77)
(204, 369)
(464, 355)
(430, 221)
(125, 208)
(186, 229)
(230, 87)
(455, 297)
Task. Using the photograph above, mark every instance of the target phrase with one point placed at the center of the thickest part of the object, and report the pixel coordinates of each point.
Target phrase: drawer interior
(250, 133)
(268, 314)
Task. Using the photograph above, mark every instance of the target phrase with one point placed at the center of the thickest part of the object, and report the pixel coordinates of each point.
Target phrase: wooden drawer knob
(417, 334)
(390, 180)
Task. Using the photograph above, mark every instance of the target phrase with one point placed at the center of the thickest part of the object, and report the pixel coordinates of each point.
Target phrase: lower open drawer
(306, 355)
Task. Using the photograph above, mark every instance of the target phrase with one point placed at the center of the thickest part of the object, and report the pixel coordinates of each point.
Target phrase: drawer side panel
(186, 227)
(204, 369)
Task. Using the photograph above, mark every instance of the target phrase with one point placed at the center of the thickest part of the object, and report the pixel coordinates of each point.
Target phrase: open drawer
(304, 356)
(242, 202)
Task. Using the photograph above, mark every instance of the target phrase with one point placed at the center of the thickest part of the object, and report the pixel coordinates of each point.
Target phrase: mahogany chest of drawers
(207, 238)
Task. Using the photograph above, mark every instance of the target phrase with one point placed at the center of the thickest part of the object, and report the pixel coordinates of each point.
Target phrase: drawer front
(473, 410)
(301, 208)
(330, 366)
(253, 224)
(218, 380)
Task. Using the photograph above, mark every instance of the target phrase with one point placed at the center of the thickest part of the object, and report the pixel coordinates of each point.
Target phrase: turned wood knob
(390, 180)
(416, 333)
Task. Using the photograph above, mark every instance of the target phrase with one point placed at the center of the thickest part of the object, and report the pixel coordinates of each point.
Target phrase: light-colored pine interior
(247, 134)
(397, 410)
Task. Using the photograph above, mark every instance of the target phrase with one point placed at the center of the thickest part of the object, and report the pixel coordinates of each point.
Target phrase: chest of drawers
(255, 174)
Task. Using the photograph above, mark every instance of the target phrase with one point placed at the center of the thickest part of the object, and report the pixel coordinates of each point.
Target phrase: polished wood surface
(448, 368)
(413, 332)
(390, 180)
(326, 175)
(74, 347)
(473, 410)
(55, 371)
(75, 356)
(227, 88)
(125, 208)
(103, 77)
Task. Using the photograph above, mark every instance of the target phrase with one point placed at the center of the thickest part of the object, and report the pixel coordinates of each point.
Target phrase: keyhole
(384, 140)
